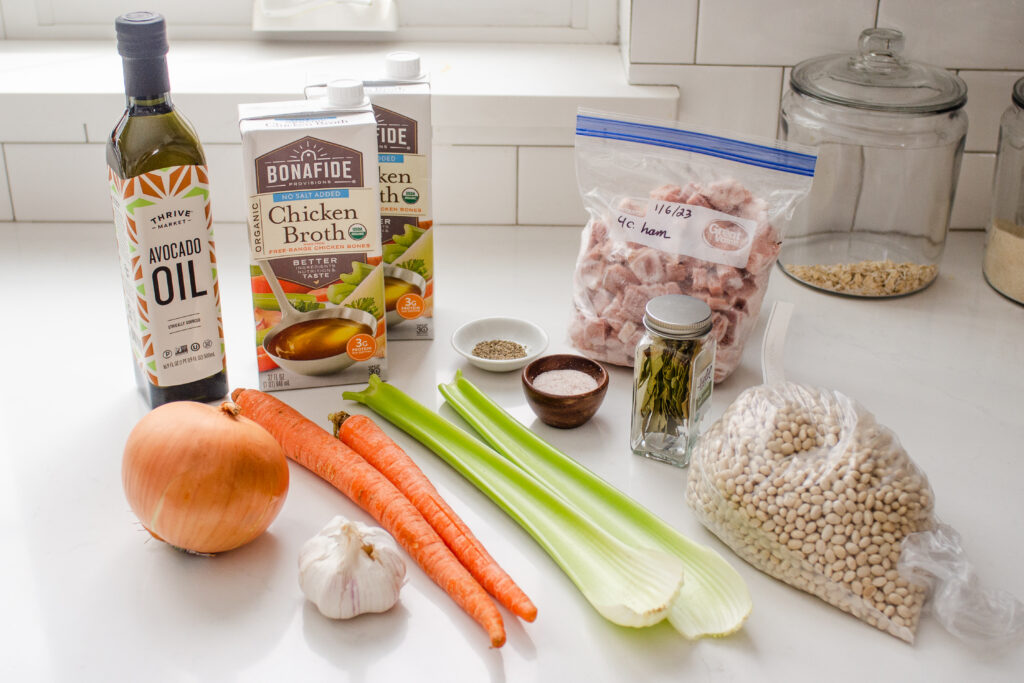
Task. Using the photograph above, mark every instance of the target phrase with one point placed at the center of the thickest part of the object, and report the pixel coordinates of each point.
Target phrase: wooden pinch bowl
(564, 412)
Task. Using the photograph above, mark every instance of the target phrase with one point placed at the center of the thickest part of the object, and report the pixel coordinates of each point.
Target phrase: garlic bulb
(350, 568)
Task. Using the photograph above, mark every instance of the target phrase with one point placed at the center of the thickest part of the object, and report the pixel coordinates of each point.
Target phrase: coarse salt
(564, 382)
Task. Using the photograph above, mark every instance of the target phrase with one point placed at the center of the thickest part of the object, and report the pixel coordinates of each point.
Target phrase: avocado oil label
(168, 267)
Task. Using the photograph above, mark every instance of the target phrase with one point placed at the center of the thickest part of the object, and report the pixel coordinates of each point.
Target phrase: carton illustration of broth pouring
(318, 287)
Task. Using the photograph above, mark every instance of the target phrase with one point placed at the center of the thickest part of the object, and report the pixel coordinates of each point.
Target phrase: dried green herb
(663, 384)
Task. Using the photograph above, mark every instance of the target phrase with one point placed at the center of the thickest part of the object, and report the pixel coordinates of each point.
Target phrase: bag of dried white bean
(676, 211)
(807, 487)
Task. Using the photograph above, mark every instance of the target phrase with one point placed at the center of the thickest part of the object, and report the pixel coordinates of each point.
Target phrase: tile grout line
(696, 31)
(778, 109)
(515, 188)
(7, 178)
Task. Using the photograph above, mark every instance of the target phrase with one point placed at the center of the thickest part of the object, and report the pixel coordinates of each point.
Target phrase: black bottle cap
(141, 34)
(142, 44)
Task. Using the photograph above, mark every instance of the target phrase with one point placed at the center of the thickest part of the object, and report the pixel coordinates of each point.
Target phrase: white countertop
(88, 596)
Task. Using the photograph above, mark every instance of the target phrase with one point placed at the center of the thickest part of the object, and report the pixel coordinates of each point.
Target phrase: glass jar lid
(678, 316)
(1018, 93)
(879, 78)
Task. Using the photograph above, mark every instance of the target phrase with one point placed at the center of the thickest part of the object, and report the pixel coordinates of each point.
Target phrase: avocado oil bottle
(160, 193)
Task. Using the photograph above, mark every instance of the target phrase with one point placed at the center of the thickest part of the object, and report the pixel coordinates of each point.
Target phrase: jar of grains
(673, 373)
(890, 136)
(1004, 241)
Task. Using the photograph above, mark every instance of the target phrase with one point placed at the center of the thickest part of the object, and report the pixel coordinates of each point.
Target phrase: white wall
(730, 60)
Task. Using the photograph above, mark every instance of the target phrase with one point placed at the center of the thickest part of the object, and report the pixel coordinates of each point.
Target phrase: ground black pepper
(499, 349)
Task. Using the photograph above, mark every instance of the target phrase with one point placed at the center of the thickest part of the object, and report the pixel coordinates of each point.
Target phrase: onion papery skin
(203, 478)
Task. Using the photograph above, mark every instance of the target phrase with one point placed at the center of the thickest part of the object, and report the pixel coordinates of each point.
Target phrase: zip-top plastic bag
(805, 485)
(675, 211)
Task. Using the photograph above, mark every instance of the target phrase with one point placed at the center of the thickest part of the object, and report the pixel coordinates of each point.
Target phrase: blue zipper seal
(701, 143)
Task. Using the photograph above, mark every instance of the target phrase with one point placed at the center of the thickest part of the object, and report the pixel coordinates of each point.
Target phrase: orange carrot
(362, 435)
(313, 448)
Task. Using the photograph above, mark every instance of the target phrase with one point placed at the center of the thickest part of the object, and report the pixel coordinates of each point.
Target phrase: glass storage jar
(890, 135)
(1004, 239)
(673, 376)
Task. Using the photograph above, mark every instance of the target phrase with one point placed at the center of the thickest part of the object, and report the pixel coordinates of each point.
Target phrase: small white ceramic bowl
(532, 338)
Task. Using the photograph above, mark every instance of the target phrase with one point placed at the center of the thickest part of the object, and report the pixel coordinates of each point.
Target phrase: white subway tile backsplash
(548, 193)
(962, 34)
(6, 210)
(509, 120)
(474, 185)
(781, 32)
(214, 116)
(227, 196)
(58, 182)
(974, 192)
(988, 96)
(663, 31)
(744, 100)
(36, 195)
(50, 117)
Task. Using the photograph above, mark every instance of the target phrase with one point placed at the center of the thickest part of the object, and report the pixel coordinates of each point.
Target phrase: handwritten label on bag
(686, 230)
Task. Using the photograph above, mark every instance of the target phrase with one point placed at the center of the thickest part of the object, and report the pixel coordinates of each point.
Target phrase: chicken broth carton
(314, 237)
(401, 105)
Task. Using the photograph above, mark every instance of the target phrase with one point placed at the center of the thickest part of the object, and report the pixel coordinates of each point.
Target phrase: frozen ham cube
(616, 277)
(646, 265)
(764, 250)
(627, 331)
(669, 193)
(727, 195)
(698, 199)
(756, 210)
(679, 271)
(634, 207)
(598, 234)
(599, 300)
(590, 273)
(731, 278)
(699, 277)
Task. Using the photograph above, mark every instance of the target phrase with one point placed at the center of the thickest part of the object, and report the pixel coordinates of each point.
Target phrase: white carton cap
(402, 66)
(346, 93)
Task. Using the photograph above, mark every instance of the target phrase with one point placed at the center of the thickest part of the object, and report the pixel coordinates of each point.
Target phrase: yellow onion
(203, 478)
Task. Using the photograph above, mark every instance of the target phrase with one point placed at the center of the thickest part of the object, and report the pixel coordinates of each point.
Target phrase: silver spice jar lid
(678, 316)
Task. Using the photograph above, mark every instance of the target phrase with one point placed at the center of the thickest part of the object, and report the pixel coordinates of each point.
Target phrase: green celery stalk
(714, 600)
(628, 585)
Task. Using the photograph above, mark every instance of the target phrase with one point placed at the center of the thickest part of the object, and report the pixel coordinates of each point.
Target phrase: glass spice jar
(674, 372)
(1004, 241)
(890, 135)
